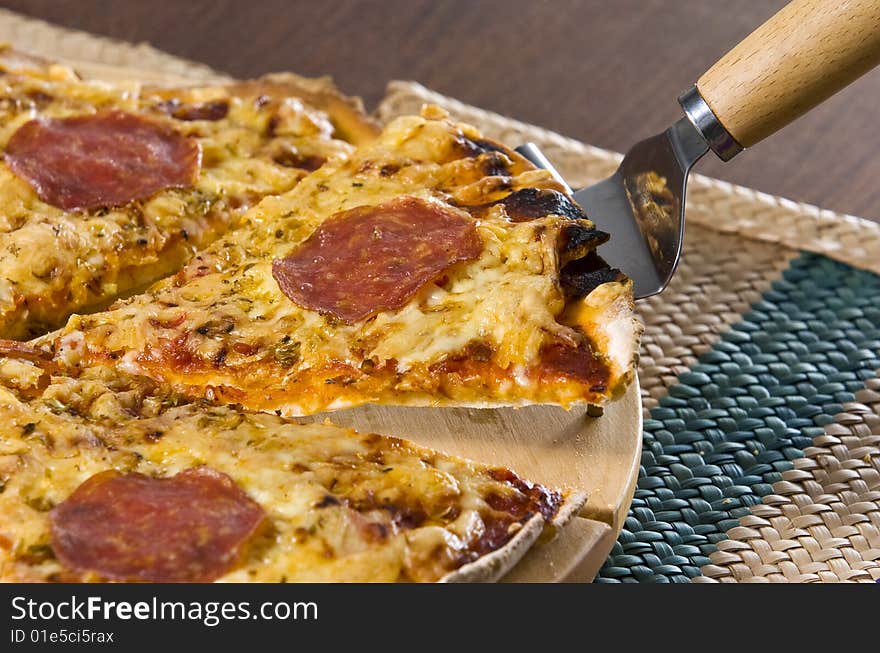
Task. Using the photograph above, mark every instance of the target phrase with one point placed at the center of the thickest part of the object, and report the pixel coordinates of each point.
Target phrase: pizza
(429, 267)
(106, 478)
(268, 255)
(106, 188)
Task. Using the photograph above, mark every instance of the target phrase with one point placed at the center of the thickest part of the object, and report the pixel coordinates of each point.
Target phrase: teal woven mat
(736, 420)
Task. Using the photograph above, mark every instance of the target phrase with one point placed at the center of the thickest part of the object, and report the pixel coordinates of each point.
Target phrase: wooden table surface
(604, 72)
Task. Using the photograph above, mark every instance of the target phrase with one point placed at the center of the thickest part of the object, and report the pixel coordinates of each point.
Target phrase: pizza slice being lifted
(430, 267)
(104, 478)
(107, 187)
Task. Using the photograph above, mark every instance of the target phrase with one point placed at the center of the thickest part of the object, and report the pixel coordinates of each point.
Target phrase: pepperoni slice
(191, 527)
(374, 258)
(101, 160)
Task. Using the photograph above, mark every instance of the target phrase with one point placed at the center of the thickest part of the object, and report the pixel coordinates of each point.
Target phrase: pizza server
(801, 56)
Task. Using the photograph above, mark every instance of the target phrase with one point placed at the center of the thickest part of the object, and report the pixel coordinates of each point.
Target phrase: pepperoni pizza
(106, 188)
(104, 478)
(309, 265)
(429, 267)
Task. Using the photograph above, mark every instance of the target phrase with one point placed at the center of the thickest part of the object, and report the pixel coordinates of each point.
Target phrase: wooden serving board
(552, 446)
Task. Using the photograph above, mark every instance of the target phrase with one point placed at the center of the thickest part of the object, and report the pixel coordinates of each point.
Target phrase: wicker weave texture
(735, 425)
(39, 38)
(822, 521)
(712, 288)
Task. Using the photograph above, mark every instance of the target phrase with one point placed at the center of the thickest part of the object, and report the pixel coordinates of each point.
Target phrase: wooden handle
(800, 57)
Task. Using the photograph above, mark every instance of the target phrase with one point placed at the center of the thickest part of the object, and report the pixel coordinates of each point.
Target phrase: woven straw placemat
(761, 457)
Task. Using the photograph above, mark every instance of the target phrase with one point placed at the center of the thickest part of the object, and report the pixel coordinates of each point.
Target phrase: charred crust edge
(580, 277)
(531, 203)
(577, 240)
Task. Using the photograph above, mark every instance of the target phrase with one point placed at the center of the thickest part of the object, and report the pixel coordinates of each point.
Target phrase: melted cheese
(223, 328)
(56, 262)
(341, 506)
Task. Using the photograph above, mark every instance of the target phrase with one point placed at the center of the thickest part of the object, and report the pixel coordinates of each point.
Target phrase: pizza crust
(493, 566)
(347, 112)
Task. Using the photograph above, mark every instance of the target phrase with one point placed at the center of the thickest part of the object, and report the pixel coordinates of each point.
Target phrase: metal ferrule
(703, 119)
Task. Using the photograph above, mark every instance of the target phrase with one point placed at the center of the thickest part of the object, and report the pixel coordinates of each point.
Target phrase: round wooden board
(552, 446)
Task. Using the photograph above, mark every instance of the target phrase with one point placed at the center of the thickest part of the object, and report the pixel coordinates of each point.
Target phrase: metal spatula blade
(805, 53)
(646, 225)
